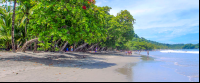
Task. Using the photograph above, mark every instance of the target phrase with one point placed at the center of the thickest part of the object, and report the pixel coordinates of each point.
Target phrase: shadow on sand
(63, 60)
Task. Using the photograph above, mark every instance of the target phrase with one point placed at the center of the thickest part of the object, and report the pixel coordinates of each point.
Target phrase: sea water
(168, 66)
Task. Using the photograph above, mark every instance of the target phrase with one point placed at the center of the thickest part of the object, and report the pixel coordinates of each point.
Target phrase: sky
(164, 21)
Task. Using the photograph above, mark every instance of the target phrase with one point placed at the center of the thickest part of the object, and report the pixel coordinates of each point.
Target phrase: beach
(66, 67)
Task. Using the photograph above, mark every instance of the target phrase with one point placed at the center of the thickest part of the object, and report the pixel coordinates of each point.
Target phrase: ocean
(167, 66)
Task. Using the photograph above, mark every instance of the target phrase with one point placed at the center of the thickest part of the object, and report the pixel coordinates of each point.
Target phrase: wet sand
(66, 67)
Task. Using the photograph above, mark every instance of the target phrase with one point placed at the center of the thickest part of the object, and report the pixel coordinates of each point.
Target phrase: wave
(176, 63)
(174, 51)
(192, 78)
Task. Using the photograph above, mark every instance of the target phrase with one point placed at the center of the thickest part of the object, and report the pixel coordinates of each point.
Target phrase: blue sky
(164, 21)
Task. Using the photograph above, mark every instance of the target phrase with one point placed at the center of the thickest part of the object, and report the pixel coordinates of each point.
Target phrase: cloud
(161, 20)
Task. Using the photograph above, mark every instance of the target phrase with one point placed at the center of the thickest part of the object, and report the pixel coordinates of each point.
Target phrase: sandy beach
(66, 67)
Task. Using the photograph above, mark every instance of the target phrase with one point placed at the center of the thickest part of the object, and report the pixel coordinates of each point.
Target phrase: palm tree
(5, 26)
(13, 27)
(24, 11)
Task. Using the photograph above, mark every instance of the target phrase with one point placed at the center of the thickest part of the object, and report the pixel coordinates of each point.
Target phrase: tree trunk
(35, 46)
(81, 46)
(31, 47)
(101, 48)
(54, 46)
(60, 45)
(19, 45)
(13, 27)
(28, 43)
(25, 30)
(74, 45)
(91, 47)
(98, 48)
(64, 46)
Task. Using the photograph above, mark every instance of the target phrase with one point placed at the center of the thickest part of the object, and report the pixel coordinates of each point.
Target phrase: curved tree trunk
(28, 43)
(56, 43)
(102, 48)
(81, 46)
(64, 46)
(98, 48)
(91, 47)
(18, 46)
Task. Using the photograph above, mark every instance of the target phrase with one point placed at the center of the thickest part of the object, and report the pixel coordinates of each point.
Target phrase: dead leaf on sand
(4, 70)
(59, 73)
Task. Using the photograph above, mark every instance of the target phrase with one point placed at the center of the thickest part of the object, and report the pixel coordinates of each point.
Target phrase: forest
(54, 25)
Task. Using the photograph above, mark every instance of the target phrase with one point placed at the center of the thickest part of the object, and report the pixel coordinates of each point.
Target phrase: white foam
(191, 78)
(176, 63)
(173, 51)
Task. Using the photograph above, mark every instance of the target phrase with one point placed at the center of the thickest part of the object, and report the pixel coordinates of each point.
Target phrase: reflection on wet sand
(127, 70)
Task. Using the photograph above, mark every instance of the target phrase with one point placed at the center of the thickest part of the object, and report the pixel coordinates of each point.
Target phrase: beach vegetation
(54, 25)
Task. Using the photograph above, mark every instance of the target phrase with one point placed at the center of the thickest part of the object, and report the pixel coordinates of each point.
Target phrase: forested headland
(54, 25)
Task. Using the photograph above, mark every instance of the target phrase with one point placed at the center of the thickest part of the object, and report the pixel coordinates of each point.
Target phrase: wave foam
(176, 63)
(173, 51)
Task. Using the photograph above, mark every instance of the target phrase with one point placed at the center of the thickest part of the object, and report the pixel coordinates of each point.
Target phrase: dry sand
(65, 67)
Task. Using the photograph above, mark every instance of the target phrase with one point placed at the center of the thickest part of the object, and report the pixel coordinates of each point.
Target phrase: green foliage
(40, 49)
(120, 29)
(68, 21)
(189, 46)
(51, 20)
(56, 49)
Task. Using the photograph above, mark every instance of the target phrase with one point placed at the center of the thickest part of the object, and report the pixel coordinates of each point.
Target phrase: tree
(189, 46)
(67, 20)
(5, 26)
(13, 27)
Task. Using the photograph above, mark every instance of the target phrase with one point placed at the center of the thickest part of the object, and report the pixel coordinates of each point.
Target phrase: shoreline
(65, 67)
(165, 67)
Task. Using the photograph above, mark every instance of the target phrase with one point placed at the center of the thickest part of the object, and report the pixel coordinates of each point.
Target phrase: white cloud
(161, 16)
